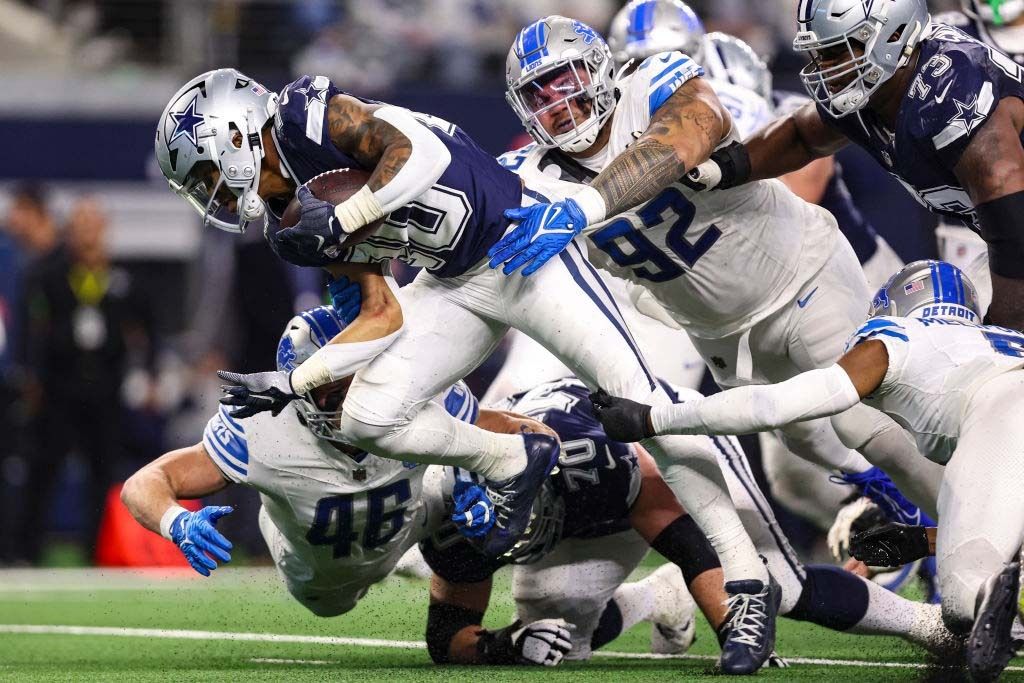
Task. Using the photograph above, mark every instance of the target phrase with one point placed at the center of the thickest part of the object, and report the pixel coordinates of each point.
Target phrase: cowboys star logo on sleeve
(314, 94)
(186, 122)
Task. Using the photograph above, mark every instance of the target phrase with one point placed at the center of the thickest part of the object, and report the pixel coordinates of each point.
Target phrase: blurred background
(116, 306)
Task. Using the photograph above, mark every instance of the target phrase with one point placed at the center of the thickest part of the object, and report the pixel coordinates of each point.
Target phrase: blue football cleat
(990, 646)
(876, 485)
(513, 498)
(748, 635)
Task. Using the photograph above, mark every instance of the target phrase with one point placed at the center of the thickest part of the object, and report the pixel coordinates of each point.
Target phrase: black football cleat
(990, 646)
(748, 637)
(513, 498)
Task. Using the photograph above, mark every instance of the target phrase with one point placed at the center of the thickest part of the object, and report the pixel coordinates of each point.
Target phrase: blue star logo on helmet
(314, 94)
(186, 122)
(589, 35)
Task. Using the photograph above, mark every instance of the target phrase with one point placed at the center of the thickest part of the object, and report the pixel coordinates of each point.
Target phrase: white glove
(544, 642)
(706, 176)
(842, 528)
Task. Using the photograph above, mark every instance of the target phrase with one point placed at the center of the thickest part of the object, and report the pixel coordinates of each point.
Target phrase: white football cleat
(673, 627)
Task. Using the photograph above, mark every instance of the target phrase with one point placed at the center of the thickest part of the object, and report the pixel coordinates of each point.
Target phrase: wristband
(360, 209)
(592, 204)
(167, 520)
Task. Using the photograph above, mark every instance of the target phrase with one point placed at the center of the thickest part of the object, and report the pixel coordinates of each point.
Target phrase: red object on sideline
(123, 542)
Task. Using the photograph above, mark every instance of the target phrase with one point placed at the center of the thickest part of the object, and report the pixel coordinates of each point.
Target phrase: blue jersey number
(1006, 343)
(648, 260)
(333, 523)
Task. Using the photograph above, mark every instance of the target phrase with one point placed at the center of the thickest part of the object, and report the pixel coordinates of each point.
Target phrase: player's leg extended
(822, 594)
(566, 307)
(576, 581)
(980, 504)
(388, 408)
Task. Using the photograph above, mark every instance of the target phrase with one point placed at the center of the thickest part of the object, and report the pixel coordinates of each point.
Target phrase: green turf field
(241, 625)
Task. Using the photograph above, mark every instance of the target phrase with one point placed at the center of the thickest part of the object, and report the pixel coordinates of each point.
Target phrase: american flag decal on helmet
(915, 286)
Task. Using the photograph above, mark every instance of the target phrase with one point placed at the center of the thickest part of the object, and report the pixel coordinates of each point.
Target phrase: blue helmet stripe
(532, 42)
(640, 20)
(944, 283)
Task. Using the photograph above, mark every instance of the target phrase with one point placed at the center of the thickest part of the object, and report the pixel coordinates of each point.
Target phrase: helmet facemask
(841, 77)
(321, 409)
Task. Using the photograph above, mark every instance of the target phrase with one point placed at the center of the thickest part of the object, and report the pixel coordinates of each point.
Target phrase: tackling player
(594, 522)
(763, 282)
(335, 518)
(938, 109)
(957, 386)
(451, 316)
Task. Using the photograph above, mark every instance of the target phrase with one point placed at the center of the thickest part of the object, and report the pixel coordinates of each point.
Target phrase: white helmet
(556, 47)
(304, 334)
(866, 41)
(213, 124)
(648, 27)
(730, 59)
(993, 12)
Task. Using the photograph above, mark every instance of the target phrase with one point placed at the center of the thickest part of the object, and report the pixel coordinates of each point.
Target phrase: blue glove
(346, 298)
(196, 535)
(474, 512)
(544, 230)
(315, 239)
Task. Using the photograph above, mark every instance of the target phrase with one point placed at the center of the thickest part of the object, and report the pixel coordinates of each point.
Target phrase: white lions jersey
(720, 261)
(935, 365)
(343, 515)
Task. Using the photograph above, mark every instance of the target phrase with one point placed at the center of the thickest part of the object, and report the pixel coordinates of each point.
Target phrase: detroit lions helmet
(928, 289)
(730, 59)
(558, 63)
(304, 334)
(855, 46)
(213, 125)
(648, 27)
(993, 12)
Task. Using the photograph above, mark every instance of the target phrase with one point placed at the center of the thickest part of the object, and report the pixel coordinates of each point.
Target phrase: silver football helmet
(560, 65)
(928, 289)
(730, 59)
(855, 46)
(647, 27)
(211, 127)
(304, 334)
(993, 12)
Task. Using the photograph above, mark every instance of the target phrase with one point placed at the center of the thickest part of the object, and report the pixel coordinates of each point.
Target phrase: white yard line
(375, 642)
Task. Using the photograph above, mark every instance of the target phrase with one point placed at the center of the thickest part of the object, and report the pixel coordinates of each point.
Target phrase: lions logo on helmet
(304, 334)
(209, 148)
(928, 289)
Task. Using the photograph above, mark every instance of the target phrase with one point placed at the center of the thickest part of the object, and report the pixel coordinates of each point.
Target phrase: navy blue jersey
(959, 83)
(598, 479)
(837, 199)
(976, 28)
(447, 229)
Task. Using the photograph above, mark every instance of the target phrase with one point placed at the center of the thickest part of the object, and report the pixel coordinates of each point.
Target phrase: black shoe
(990, 646)
(513, 498)
(749, 630)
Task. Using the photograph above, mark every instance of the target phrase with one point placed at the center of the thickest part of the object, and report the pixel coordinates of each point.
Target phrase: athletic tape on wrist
(334, 361)
(168, 519)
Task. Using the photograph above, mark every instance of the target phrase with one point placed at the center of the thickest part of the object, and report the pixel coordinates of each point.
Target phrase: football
(334, 187)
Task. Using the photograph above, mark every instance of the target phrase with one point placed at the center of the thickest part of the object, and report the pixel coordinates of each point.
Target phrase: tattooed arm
(406, 156)
(683, 132)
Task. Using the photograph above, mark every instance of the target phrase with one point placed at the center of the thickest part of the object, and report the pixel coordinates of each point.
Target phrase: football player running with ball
(957, 386)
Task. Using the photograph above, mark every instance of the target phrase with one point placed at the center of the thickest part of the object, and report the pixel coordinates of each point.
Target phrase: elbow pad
(1001, 228)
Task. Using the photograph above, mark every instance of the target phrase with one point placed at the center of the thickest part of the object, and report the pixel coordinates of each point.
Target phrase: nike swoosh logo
(940, 98)
(803, 302)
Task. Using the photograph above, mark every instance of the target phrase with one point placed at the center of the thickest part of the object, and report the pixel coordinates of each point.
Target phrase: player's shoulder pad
(460, 403)
(513, 160)
(876, 328)
(226, 442)
(660, 75)
(958, 85)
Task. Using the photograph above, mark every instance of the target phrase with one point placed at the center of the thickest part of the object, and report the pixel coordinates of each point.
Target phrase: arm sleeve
(427, 161)
(225, 441)
(812, 394)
